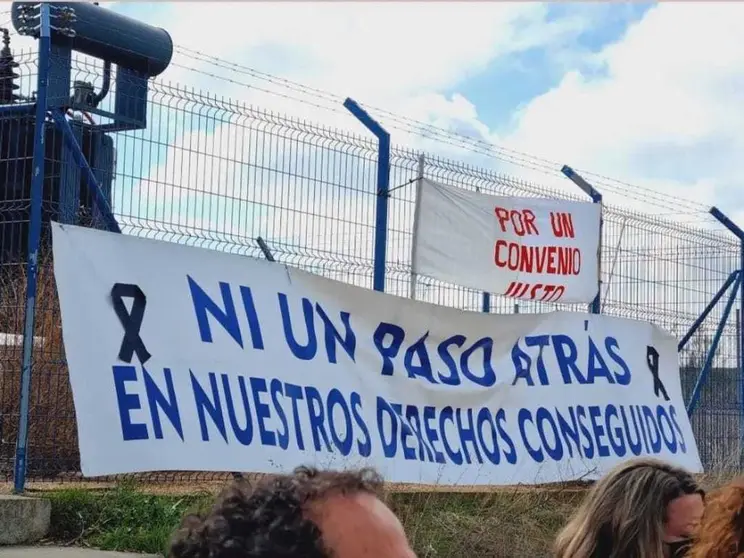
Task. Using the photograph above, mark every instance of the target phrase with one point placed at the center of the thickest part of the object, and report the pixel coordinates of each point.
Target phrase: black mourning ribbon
(652, 359)
(131, 322)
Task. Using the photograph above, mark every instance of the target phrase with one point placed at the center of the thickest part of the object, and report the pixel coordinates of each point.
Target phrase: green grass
(506, 524)
(122, 519)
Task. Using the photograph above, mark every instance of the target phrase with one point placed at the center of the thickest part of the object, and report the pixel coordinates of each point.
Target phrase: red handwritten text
(562, 225)
(552, 260)
(537, 291)
(522, 222)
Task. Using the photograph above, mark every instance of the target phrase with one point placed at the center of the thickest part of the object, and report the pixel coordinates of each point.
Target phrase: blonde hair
(623, 515)
(721, 532)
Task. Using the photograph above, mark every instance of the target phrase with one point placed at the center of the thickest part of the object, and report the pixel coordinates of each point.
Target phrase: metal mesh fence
(215, 173)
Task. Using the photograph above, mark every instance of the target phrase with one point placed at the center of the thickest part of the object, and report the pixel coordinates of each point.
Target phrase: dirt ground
(214, 486)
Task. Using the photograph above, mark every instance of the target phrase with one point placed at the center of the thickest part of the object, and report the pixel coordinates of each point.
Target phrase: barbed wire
(443, 136)
(251, 86)
(327, 101)
(440, 134)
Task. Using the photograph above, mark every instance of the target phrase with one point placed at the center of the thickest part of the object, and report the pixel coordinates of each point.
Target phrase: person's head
(721, 532)
(635, 511)
(307, 514)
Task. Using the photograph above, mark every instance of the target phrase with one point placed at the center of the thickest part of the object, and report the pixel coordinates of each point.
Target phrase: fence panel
(217, 174)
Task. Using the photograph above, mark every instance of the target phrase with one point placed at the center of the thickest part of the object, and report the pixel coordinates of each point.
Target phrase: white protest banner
(527, 248)
(183, 358)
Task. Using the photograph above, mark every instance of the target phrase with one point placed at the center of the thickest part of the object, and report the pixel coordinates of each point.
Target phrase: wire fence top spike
(722, 218)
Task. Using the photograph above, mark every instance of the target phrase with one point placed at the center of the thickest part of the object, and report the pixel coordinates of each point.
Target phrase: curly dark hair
(269, 520)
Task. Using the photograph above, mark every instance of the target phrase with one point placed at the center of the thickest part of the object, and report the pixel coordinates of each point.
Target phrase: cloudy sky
(644, 93)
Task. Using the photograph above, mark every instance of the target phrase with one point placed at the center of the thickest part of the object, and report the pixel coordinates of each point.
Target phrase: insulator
(8, 77)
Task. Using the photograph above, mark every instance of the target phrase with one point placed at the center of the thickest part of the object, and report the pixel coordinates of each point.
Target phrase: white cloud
(377, 51)
(397, 55)
(658, 108)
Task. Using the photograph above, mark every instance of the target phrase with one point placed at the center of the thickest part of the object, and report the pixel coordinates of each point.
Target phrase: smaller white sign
(528, 248)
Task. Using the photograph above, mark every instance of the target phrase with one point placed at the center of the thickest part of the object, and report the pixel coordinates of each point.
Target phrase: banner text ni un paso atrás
(182, 358)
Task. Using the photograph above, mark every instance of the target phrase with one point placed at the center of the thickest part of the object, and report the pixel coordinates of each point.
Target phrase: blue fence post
(738, 233)
(77, 153)
(589, 190)
(383, 190)
(712, 349)
(34, 240)
(704, 314)
(486, 303)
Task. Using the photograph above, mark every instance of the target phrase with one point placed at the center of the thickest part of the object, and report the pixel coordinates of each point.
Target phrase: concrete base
(23, 520)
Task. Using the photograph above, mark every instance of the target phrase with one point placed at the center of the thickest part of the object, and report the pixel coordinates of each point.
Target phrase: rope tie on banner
(652, 358)
(131, 322)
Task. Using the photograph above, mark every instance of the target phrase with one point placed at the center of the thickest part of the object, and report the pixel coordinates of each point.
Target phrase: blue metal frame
(738, 233)
(713, 347)
(486, 304)
(704, 314)
(383, 190)
(588, 189)
(139, 51)
(17, 110)
(34, 240)
(103, 206)
(48, 99)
